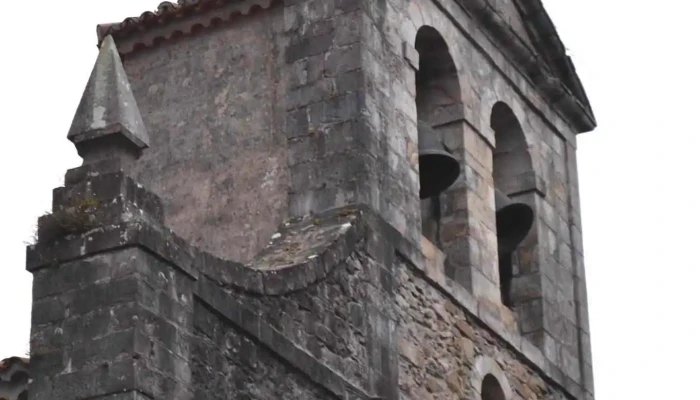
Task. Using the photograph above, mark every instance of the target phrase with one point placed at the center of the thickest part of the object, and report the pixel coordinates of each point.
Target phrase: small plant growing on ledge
(72, 220)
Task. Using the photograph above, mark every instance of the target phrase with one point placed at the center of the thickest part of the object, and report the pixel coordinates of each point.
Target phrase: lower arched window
(491, 389)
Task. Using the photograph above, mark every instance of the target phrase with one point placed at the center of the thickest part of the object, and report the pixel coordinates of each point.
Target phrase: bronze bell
(438, 168)
(513, 222)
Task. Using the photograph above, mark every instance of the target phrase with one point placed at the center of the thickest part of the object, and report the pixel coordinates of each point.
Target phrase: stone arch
(439, 105)
(489, 381)
(511, 156)
(491, 389)
(514, 175)
(438, 91)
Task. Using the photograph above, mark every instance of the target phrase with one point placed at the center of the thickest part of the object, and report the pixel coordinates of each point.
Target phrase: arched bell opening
(437, 101)
(514, 220)
(491, 389)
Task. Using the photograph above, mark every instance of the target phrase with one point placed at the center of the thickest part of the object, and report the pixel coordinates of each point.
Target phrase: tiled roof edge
(172, 20)
(7, 363)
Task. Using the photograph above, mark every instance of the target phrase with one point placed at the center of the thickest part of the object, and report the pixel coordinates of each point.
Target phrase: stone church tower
(319, 199)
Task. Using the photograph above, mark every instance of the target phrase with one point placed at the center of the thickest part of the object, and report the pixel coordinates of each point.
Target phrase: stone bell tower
(318, 199)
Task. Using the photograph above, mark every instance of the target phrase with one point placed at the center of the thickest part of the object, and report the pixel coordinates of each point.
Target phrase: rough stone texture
(284, 158)
(440, 344)
(550, 311)
(218, 158)
(319, 342)
(111, 322)
(229, 365)
(330, 320)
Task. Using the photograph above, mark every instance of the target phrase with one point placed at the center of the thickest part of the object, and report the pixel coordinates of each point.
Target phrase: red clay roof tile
(9, 362)
(174, 19)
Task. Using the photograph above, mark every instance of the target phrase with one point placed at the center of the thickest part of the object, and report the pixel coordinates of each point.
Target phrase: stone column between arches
(460, 221)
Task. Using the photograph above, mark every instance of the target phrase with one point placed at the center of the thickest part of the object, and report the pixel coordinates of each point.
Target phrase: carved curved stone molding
(485, 366)
(171, 21)
(124, 214)
(305, 251)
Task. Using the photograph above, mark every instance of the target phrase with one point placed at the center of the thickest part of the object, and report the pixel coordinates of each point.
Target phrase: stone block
(84, 272)
(570, 364)
(337, 109)
(314, 92)
(484, 288)
(101, 380)
(103, 294)
(46, 362)
(121, 345)
(481, 208)
(343, 59)
(47, 310)
(586, 353)
(525, 288)
(587, 377)
(348, 24)
(411, 55)
(308, 46)
(583, 320)
(525, 182)
(297, 123)
(349, 81)
(548, 345)
(131, 395)
(530, 315)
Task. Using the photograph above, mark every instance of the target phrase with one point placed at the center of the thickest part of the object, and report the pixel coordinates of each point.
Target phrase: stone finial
(107, 123)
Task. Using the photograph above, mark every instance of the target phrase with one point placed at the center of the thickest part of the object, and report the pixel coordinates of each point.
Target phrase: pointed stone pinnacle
(107, 122)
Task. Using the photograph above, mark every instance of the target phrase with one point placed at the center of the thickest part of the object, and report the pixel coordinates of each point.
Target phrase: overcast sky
(638, 170)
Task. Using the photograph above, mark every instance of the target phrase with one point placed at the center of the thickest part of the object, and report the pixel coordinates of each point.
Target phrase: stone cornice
(574, 108)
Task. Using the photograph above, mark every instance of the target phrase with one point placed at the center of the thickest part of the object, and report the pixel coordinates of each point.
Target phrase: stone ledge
(113, 237)
(488, 137)
(303, 252)
(526, 182)
(234, 311)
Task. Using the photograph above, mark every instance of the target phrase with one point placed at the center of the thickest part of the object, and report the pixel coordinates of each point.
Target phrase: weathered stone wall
(227, 364)
(111, 323)
(552, 303)
(129, 307)
(307, 106)
(440, 345)
(336, 323)
(343, 152)
(328, 320)
(311, 105)
(213, 104)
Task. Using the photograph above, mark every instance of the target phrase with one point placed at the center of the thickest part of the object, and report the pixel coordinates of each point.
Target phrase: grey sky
(637, 170)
